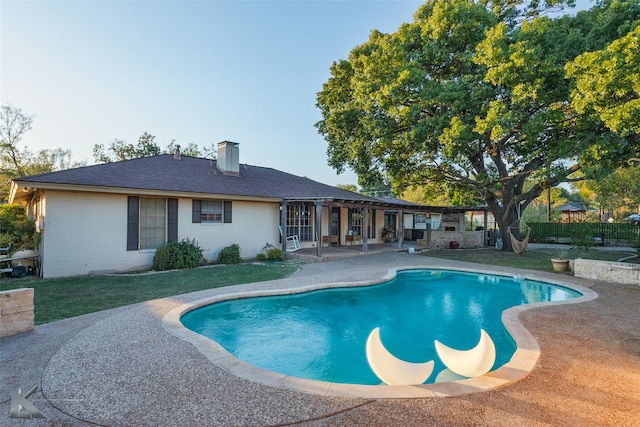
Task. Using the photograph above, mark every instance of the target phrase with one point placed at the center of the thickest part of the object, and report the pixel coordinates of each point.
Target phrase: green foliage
(121, 150)
(274, 253)
(17, 229)
(178, 255)
(608, 82)
(561, 254)
(146, 146)
(348, 187)
(473, 95)
(582, 239)
(230, 255)
(555, 232)
(261, 257)
(619, 190)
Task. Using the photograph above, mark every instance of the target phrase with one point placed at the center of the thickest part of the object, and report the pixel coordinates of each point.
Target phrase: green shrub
(178, 255)
(274, 253)
(230, 255)
(261, 257)
(17, 229)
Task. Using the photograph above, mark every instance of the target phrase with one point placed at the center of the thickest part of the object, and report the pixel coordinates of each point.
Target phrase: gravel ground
(121, 368)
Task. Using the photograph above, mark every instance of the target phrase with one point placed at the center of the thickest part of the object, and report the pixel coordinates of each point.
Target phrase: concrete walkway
(121, 368)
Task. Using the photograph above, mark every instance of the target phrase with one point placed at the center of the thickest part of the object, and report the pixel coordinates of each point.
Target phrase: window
(435, 221)
(300, 221)
(355, 222)
(151, 222)
(211, 211)
(420, 221)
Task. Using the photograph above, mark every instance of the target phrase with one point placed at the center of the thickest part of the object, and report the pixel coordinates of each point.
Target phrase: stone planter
(560, 264)
(16, 311)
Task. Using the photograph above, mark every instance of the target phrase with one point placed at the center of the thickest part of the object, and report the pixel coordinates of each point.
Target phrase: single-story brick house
(111, 217)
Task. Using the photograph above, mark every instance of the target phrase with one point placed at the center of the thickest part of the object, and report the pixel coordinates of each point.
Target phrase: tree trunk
(505, 217)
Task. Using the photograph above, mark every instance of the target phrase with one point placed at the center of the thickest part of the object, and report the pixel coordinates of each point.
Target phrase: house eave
(16, 196)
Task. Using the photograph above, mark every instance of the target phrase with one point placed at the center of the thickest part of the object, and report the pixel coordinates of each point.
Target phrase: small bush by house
(177, 255)
(274, 253)
(230, 255)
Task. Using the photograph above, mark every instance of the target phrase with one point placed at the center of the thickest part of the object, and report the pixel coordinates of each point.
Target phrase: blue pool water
(321, 335)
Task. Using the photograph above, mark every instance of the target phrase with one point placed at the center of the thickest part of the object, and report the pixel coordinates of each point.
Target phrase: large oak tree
(474, 95)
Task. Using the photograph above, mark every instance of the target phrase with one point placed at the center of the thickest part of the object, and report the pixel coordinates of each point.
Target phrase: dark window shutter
(196, 211)
(133, 213)
(227, 212)
(172, 220)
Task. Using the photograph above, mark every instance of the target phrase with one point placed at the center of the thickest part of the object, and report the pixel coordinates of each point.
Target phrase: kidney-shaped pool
(322, 334)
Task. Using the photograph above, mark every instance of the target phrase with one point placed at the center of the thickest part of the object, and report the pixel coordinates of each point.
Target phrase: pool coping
(519, 366)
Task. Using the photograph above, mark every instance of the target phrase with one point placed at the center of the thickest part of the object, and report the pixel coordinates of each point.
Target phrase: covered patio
(327, 227)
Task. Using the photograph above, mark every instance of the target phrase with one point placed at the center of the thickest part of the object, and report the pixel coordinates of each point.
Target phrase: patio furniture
(292, 243)
(352, 238)
(334, 240)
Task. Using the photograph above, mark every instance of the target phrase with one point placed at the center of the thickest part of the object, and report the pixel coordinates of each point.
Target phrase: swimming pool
(321, 335)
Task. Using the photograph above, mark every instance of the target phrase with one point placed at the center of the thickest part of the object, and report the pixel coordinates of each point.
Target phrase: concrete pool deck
(121, 367)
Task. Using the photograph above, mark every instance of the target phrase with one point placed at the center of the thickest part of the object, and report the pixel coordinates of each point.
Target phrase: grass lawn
(57, 299)
(533, 259)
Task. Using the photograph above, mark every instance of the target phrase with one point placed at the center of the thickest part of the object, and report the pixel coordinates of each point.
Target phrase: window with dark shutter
(172, 220)
(227, 212)
(133, 210)
(211, 211)
(196, 210)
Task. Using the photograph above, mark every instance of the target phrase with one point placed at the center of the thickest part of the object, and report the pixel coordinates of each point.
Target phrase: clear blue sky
(201, 72)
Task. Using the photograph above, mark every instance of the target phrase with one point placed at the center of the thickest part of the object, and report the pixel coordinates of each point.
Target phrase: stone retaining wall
(16, 311)
(608, 271)
(441, 239)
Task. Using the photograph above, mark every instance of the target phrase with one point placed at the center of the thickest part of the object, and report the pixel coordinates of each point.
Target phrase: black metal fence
(585, 233)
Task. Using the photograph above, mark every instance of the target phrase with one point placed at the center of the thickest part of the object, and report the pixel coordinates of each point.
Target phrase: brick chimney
(228, 159)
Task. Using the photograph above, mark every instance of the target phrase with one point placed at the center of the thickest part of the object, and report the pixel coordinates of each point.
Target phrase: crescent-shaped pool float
(390, 369)
(469, 363)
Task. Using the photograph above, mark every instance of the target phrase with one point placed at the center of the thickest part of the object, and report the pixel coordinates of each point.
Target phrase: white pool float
(390, 369)
(469, 363)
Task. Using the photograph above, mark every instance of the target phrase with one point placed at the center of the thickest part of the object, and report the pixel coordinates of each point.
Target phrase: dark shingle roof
(193, 175)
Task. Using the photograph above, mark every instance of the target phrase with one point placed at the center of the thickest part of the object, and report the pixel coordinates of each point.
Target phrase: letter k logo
(21, 407)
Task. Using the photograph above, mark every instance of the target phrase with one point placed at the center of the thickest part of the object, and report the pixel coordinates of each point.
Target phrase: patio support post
(319, 228)
(400, 228)
(365, 229)
(486, 231)
(283, 222)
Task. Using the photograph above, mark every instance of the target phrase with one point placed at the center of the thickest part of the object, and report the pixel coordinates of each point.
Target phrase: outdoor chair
(292, 242)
